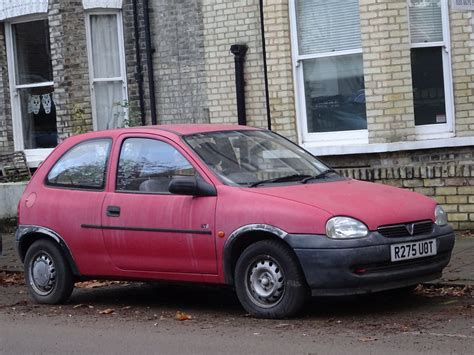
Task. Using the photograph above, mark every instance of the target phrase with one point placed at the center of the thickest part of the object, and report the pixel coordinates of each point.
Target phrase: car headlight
(441, 218)
(345, 228)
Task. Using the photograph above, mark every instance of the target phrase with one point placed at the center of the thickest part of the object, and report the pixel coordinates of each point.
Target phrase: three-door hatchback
(220, 204)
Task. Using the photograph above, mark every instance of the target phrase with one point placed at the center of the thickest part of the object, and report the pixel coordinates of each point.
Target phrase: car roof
(184, 129)
(166, 130)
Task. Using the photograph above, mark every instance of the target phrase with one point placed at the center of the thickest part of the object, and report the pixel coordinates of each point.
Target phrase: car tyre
(47, 273)
(269, 281)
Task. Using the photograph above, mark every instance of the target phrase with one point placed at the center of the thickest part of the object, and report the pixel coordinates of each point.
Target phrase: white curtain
(106, 65)
(327, 25)
(108, 100)
(105, 46)
(425, 21)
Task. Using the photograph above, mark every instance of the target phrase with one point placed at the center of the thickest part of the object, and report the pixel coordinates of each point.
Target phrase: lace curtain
(106, 70)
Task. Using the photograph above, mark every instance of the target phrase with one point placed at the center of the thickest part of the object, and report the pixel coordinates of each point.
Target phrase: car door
(71, 202)
(145, 227)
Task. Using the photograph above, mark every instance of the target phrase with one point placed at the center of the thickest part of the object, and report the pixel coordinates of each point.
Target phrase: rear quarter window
(83, 166)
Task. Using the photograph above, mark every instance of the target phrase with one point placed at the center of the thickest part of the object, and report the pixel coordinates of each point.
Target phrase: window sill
(387, 147)
(35, 157)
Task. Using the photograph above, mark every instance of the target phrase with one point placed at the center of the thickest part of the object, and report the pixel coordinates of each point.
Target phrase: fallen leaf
(440, 291)
(450, 302)
(92, 284)
(182, 316)
(80, 305)
(107, 311)
(11, 278)
(282, 325)
(367, 339)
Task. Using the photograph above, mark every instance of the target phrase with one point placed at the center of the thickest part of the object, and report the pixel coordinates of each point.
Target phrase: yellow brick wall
(280, 70)
(227, 23)
(238, 22)
(462, 58)
(387, 70)
(387, 66)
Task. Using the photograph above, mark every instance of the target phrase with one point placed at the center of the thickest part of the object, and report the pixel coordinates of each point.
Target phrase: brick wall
(178, 61)
(227, 23)
(280, 69)
(70, 67)
(131, 61)
(6, 129)
(387, 70)
(462, 58)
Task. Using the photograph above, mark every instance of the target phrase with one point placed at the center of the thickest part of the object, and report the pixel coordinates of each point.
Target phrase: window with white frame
(329, 70)
(31, 84)
(431, 67)
(107, 69)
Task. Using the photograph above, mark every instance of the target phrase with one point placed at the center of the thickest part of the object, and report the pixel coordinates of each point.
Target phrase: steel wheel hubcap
(265, 283)
(42, 274)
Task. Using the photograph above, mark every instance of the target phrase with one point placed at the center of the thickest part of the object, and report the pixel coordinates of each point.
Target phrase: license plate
(413, 250)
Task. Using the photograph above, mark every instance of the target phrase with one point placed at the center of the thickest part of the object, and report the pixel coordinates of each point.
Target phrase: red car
(221, 204)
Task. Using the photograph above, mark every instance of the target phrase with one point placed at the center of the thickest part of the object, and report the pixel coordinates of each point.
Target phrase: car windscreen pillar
(239, 51)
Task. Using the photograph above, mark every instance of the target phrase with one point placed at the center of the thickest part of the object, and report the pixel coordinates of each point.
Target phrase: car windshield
(255, 158)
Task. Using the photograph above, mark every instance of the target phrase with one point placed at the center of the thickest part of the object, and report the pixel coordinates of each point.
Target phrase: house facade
(383, 90)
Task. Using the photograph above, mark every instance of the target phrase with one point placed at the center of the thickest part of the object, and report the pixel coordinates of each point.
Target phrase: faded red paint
(302, 209)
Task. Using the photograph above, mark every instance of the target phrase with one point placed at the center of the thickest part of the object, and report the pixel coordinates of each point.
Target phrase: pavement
(460, 270)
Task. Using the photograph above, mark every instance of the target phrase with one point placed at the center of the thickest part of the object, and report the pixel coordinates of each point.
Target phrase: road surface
(135, 318)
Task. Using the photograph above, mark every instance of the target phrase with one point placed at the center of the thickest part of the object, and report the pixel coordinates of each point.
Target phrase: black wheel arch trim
(24, 232)
(235, 235)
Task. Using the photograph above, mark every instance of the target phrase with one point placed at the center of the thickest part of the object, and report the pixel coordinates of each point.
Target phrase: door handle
(113, 211)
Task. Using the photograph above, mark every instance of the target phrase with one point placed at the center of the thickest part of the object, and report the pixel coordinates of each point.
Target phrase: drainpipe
(139, 69)
(265, 71)
(149, 62)
(239, 51)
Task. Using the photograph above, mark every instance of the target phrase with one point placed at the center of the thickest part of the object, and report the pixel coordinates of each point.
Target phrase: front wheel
(48, 276)
(269, 281)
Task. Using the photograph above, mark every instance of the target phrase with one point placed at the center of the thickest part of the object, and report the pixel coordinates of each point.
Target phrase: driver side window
(148, 165)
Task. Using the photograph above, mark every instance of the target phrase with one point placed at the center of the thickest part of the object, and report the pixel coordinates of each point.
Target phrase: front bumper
(333, 267)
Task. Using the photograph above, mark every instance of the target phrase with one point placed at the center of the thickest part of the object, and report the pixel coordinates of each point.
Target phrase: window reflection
(335, 96)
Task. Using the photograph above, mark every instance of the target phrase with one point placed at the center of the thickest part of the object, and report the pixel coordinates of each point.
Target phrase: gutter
(149, 62)
(239, 51)
(139, 68)
(265, 69)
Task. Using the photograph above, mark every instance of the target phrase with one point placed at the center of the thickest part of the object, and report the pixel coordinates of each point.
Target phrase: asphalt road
(141, 318)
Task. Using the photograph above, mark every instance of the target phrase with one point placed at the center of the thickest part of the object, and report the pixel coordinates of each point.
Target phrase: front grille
(406, 230)
(400, 265)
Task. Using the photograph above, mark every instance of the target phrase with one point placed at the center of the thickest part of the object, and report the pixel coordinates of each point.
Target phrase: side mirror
(191, 186)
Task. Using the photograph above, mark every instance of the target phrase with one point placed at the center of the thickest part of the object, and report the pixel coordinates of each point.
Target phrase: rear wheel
(269, 281)
(47, 273)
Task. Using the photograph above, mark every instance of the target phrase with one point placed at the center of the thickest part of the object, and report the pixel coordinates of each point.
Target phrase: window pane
(335, 96)
(328, 25)
(425, 21)
(83, 166)
(38, 114)
(32, 52)
(148, 165)
(428, 85)
(105, 46)
(108, 100)
(246, 157)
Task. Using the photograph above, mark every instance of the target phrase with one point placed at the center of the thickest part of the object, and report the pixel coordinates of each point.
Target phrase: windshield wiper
(321, 175)
(293, 177)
